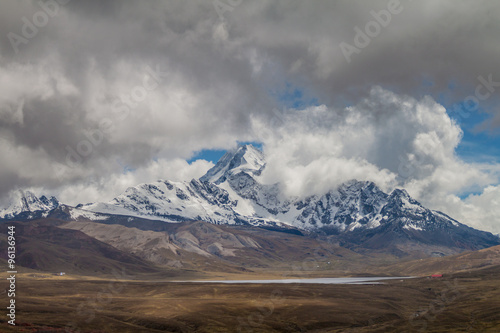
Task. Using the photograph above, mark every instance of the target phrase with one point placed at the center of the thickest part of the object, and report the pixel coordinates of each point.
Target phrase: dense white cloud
(389, 139)
(483, 210)
(107, 188)
(480, 211)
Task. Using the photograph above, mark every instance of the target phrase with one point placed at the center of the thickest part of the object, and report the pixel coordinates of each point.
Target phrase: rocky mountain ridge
(233, 193)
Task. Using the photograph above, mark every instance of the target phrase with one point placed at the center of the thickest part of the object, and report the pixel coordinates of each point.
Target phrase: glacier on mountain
(356, 214)
(231, 193)
(28, 203)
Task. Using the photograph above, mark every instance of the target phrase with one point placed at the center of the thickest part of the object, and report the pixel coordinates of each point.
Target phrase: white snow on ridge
(26, 201)
(231, 193)
(410, 226)
(446, 217)
(166, 200)
(243, 207)
(243, 159)
(375, 222)
(410, 206)
(77, 214)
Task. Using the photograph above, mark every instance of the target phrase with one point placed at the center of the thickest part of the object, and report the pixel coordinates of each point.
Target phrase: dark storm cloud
(443, 42)
(47, 124)
(223, 68)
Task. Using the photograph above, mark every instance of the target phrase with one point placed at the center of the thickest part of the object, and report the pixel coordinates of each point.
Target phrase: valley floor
(465, 302)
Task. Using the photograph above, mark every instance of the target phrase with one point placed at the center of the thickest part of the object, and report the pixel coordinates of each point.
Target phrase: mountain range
(357, 214)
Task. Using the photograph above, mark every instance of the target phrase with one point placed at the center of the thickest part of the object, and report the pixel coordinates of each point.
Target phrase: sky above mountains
(98, 96)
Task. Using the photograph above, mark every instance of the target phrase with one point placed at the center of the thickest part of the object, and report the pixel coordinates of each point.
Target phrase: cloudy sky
(101, 95)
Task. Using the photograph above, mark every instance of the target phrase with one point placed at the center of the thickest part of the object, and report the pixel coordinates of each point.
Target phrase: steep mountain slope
(351, 206)
(246, 159)
(26, 205)
(226, 194)
(41, 245)
(172, 202)
(403, 225)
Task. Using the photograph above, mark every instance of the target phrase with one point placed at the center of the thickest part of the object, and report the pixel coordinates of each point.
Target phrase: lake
(343, 280)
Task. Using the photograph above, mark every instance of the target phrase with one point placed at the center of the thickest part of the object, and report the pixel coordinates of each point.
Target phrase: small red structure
(436, 275)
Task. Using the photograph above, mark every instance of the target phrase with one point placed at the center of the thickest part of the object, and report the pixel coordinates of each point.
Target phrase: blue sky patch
(295, 97)
(212, 155)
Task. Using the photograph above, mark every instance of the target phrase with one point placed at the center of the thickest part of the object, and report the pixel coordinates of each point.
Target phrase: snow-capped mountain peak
(28, 202)
(245, 158)
(358, 212)
(400, 200)
(172, 201)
